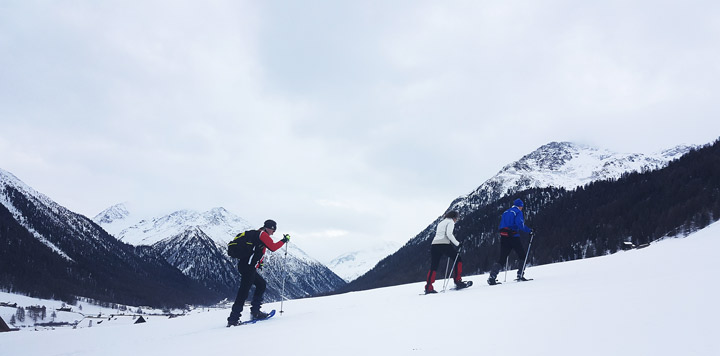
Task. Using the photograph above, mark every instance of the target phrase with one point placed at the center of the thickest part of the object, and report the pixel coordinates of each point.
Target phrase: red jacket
(269, 243)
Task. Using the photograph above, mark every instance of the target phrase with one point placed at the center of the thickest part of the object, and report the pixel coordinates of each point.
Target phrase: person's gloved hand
(286, 238)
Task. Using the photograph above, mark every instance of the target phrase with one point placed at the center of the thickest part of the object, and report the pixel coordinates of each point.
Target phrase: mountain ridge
(353, 264)
(196, 243)
(563, 165)
(52, 251)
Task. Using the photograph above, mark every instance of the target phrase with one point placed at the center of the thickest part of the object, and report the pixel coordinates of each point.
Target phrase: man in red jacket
(248, 270)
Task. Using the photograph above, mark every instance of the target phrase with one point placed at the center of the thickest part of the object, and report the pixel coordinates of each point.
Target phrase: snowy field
(660, 300)
(81, 315)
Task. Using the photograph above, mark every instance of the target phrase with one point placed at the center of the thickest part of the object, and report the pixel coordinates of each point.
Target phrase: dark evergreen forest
(590, 221)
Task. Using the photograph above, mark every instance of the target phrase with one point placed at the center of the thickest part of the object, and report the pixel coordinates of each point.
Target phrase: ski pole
(451, 271)
(447, 266)
(282, 294)
(526, 255)
(506, 267)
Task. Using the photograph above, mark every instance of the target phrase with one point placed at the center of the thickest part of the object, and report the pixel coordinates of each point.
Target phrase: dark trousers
(436, 253)
(248, 278)
(508, 244)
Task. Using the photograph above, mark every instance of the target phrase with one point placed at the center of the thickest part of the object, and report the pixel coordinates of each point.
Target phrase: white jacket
(444, 233)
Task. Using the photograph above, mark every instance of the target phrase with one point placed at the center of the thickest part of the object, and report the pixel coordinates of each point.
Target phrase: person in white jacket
(445, 244)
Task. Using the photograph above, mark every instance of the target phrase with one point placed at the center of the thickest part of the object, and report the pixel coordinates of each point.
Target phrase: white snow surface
(653, 301)
(82, 313)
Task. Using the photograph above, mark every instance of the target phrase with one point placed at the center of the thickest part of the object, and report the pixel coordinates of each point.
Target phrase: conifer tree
(20, 314)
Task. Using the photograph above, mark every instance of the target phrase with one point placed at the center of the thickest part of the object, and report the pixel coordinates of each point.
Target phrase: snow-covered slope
(631, 303)
(563, 165)
(84, 313)
(78, 225)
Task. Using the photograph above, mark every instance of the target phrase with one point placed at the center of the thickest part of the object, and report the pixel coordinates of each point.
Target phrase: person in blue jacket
(512, 224)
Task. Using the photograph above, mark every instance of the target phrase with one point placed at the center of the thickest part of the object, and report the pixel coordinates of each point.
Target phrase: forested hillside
(589, 221)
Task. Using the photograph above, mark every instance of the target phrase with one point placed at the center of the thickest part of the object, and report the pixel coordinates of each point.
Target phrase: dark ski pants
(436, 253)
(508, 244)
(248, 278)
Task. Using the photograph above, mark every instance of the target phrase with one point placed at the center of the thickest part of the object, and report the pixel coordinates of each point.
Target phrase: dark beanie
(270, 224)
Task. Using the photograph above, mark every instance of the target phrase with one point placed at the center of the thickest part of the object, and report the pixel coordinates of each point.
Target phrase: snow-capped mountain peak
(569, 165)
(111, 214)
(120, 221)
(565, 165)
(353, 264)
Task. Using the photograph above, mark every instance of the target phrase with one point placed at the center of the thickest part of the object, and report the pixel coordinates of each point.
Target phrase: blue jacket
(514, 220)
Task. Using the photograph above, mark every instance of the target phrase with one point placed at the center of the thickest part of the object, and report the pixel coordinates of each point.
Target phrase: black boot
(462, 284)
(493, 274)
(259, 315)
(233, 321)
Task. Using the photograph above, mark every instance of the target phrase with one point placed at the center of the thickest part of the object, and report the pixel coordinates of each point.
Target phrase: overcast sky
(347, 122)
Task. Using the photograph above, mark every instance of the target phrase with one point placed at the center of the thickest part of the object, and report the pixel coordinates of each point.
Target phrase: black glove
(532, 232)
(286, 238)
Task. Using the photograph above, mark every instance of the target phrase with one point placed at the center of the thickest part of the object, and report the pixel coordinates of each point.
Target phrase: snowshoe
(523, 279)
(259, 316)
(492, 281)
(430, 291)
